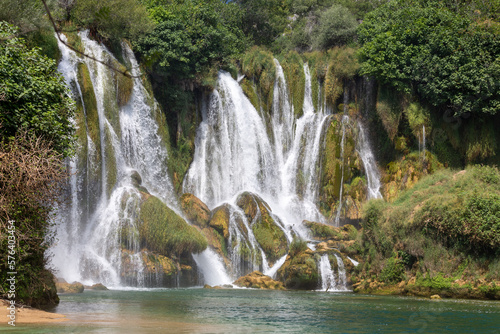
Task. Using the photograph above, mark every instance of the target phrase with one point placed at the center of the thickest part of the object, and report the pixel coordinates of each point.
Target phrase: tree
(337, 26)
(448, 59)
(264, 20)
(190, 37)
(34, 96)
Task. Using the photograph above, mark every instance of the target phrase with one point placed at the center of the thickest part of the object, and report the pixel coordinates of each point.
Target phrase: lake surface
(197, 310)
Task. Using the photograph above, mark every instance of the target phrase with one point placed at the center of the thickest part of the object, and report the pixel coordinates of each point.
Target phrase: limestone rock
(196, 211)
(435, 297)
(75, 287)
(258, 280)
(267, 230)
(219, 220)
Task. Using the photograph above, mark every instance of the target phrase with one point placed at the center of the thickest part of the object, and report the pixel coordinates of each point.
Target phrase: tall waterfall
(102, 213)
(274, 159)
(234, 153)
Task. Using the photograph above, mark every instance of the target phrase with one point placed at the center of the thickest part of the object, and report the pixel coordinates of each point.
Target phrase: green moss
(418, 116)
(124, 87)
(268, 234)
(163, 231)
(111, 171)
(299, 271)
(90, 104)
(250, 91)
(293, 69)
(220, 220)
(389, 110)
(74, 40)
(322, 232)
(342, 65)
(258, 65)
(195, 210)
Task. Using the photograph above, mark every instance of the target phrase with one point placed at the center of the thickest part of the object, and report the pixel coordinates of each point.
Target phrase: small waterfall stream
(329, 280)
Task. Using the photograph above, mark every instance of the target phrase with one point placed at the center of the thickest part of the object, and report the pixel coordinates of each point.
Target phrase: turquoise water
(248, 311)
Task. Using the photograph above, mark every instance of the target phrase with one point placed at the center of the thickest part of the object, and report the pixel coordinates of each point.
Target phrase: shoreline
(29, 315)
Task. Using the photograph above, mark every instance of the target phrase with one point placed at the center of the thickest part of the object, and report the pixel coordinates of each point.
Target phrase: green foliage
(163, 231)
(470, 220)
(34, 95)
(190, 36)
(393, 271)
(112, 19)
(263, 20)
(447, 58)
(448, 222)
(337, 26)
(28, 15)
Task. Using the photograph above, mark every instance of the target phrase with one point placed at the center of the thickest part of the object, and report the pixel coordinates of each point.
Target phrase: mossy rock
(220, 220)
(195, 210)
(258, 280)
(321, 231)
(335, 170)
(163, 231)
(268, 234)
(217, 242)
(124, 87)
(75, 287)
(300, 271)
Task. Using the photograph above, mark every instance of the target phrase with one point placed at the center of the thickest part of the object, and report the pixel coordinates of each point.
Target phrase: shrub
(337, 26)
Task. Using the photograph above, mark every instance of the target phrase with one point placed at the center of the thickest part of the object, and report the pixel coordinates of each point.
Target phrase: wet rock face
(258, 280)
(196, 211)
(267, 230)
(300, 271)
(220, 220)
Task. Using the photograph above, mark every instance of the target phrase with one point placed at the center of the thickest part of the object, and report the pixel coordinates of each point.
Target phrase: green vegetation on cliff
(446, 228)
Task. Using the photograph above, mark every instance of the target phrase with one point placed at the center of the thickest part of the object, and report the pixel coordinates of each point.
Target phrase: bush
(33, 95)
(337, 26)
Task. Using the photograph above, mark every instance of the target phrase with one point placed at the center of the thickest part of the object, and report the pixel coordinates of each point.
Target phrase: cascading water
(98, 232)
(329, 280)
(369, 164)
(345, 119)
(234, 154)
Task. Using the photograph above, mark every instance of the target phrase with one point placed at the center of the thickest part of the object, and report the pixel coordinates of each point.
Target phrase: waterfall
(98, 229)
(369, 164)
(122, 159)
(345, 119)
(330, 281)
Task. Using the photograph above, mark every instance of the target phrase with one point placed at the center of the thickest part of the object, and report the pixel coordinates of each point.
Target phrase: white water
(329, 280)
(212, 268)
(369, 163)
(89, 246)
(234, 154)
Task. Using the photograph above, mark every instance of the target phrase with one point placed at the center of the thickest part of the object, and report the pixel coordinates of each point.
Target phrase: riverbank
(29, 315)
